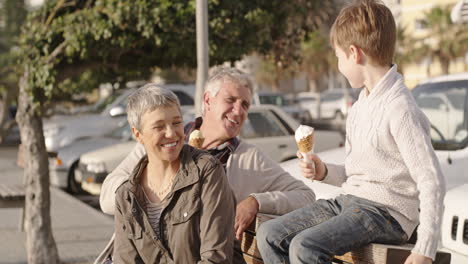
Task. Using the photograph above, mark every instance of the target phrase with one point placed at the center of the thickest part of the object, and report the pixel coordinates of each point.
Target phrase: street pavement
(80, 231)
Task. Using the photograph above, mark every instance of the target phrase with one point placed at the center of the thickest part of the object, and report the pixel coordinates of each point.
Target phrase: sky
(35, 2)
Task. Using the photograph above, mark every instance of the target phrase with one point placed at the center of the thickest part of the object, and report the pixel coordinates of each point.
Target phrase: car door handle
(282, 146)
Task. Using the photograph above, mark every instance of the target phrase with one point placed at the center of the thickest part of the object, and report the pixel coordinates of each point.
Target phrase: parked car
(267, 127)
(296, 111)
(63, 164)
(334, 104)
(60, 131)
(455, 224)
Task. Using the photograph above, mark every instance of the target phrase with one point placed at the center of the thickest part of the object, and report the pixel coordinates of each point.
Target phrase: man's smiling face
(228, 108)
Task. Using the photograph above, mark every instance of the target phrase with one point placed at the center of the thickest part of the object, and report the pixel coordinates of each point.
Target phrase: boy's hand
(245, 213)
(415, 258)
(307, 169)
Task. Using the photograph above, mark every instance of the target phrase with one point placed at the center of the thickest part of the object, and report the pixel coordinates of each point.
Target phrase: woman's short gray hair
(223, 75)
(146, 99)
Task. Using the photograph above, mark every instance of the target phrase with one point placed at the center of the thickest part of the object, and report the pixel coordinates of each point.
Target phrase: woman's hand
(415, 258)
(310, 171)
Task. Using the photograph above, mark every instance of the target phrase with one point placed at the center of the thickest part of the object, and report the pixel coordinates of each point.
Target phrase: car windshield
(276, 99)
(445, 105)
(101, 104)
(122, 132)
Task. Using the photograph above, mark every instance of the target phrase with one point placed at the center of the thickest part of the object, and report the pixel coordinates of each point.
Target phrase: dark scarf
(221, 152)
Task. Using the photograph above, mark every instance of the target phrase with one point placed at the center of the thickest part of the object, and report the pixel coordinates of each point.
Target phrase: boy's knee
(303, 249)
(267, 231)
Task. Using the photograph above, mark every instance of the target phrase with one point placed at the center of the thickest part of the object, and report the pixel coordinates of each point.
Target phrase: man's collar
(196, 124)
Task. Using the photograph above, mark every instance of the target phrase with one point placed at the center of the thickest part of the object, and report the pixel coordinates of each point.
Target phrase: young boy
(391, 178)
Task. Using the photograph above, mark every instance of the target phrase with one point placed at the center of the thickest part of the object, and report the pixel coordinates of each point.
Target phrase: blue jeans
(315, 233)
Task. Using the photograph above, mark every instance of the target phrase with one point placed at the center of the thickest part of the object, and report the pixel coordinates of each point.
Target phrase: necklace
(162, 192)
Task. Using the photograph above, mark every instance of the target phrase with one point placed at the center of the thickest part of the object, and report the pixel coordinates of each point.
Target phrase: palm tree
(404, 51)
(446, 42)
(317, 58)
(318, 61)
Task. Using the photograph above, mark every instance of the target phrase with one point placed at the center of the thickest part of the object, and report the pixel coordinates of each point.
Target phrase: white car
(445, 109)
(455, 224)
(334, 103)
(63, 163)
(267, 127)
(299, 113)
(60, 131)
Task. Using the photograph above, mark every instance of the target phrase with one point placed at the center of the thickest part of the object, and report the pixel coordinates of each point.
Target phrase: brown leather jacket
(197, 223)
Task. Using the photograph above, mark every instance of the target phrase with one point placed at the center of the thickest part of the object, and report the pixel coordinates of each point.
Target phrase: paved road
(80, 231)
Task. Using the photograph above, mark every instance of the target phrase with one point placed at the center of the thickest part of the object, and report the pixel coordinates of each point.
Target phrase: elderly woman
(177, 206)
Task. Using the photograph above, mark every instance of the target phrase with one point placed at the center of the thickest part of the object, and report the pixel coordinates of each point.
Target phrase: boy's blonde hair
(368, 25)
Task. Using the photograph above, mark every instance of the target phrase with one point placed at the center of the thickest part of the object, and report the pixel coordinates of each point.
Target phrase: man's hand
(415, 258)
(245, 213)
(308, 170)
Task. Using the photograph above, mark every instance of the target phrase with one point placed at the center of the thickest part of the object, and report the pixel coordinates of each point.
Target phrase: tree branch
(52, 15)
(56, 51)
(75, 70)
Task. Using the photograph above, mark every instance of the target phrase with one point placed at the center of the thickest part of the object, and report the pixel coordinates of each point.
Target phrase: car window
(184, 98)
(262, 124)
(103, 103)
(122, 132)
(457, 100)
(331, 97)
(306, 99)
(445, 105)
(277, 100)
(429, 102)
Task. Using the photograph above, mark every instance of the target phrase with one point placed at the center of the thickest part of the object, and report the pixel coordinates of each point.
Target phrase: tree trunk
(40, 244)
(445, 65)
(6, 124)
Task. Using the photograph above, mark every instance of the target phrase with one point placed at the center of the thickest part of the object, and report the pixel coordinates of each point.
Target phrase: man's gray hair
(224, 74)
(147, 99)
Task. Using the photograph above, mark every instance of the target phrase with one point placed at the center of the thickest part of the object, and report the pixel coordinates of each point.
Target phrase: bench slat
(12, 192)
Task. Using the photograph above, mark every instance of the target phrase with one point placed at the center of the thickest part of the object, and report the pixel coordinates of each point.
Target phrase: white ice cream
(196, 134)
(303, 131)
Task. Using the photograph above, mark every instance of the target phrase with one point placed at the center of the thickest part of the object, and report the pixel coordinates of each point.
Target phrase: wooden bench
(371, 254)
(13, 196)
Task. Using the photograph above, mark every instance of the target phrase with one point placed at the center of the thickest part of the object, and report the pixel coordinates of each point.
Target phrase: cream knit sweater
(390, 160)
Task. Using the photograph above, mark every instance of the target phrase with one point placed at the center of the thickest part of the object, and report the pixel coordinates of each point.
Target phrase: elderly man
(259, 183)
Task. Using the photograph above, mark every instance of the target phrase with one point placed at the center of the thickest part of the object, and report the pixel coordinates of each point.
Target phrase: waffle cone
(196, 142)
(306, 144)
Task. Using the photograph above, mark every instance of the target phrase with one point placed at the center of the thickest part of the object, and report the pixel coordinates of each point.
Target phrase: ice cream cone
(306, 144)
(305, 141)
(196, 139)
(196, 142)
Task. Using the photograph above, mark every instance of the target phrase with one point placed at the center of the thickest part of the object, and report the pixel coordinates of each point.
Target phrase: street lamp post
(202, 51)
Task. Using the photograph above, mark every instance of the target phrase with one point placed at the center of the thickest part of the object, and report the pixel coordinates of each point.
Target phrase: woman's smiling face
(162, 133)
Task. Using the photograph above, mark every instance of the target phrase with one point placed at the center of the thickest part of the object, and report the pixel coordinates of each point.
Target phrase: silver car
(334, 105)
(60, 131)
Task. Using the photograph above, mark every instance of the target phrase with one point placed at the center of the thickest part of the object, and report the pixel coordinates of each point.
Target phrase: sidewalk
(79, 230)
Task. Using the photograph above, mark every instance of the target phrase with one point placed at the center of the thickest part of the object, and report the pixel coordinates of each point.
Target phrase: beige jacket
(249, 172)
(194, 223)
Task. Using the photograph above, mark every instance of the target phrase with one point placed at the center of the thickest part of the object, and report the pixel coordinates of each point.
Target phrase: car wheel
(73, 187)
(339, 121)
